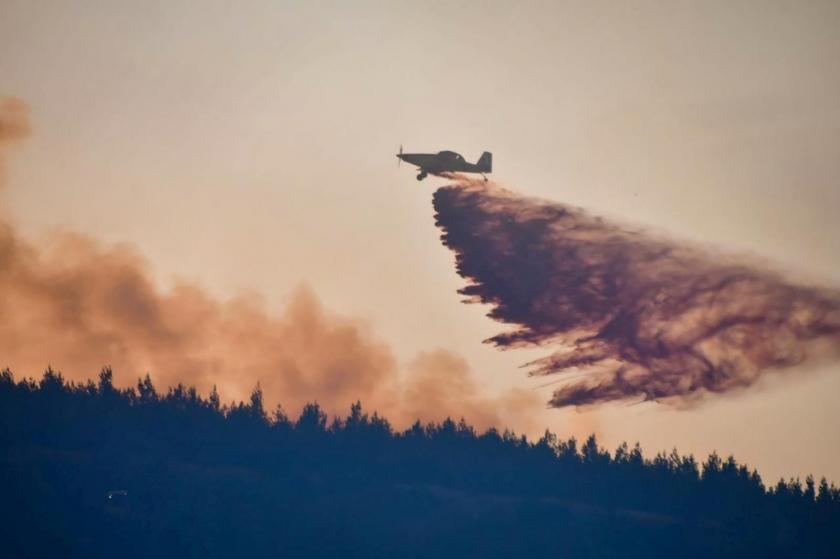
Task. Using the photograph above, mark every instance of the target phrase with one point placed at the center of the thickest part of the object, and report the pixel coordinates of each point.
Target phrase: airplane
(447, 162)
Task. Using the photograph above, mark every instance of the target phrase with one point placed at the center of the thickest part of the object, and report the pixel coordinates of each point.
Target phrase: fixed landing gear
(484, 176)
(422, 175)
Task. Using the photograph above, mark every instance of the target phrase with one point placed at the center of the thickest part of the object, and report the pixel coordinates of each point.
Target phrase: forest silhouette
(92, 470)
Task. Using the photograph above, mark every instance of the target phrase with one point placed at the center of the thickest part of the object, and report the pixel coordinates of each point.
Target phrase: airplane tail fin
(485, 162)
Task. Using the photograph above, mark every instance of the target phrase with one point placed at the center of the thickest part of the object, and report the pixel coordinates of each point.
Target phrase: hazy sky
(249, 146)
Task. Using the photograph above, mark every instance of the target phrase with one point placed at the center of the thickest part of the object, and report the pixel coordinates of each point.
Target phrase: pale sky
(249, 146)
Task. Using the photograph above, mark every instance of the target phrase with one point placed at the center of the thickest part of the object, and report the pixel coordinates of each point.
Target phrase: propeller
(399, 157)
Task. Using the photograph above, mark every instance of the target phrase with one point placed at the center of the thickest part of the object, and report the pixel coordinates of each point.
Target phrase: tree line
(90, 469)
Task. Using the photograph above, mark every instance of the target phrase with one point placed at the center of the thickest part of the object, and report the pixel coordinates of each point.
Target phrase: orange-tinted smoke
(440, 385)
(77, 305)
(649, 319)
(14, 126)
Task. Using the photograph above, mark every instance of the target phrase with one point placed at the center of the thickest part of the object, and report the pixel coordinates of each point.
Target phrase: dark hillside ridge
(95, 471)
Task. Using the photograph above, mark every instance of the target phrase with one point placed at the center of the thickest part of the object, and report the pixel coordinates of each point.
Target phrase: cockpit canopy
(451, 155)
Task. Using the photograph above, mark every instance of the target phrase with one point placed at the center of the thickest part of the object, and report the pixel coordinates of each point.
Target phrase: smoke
(441, 385)
(638, 317)
(14, 126)
(79, 305)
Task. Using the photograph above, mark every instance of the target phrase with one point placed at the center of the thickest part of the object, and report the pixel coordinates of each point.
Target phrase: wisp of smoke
(645, 318)
(14, 126)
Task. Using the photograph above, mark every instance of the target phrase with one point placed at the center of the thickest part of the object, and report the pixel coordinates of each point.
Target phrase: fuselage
(442, 162)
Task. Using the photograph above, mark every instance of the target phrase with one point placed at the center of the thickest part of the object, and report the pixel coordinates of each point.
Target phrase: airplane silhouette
(447, 162)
